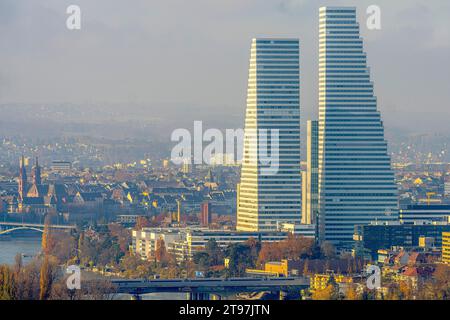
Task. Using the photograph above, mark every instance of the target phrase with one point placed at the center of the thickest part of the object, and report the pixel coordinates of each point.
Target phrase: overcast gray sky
(196, 53)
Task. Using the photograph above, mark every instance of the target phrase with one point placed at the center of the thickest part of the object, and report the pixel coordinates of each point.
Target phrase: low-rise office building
(411, 214)
(283, 268)
(372, 237)
(127, 219)
(298, 229)
(184, 242)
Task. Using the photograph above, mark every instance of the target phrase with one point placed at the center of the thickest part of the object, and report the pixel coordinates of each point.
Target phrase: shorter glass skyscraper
(270, 193)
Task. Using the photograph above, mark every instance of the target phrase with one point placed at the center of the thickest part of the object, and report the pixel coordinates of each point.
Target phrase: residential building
(61, 166)
(145, 241)
(321, 281)
(446, 247)
(447, 186)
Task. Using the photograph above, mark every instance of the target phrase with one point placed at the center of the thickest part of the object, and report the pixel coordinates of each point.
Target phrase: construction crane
(429, 195)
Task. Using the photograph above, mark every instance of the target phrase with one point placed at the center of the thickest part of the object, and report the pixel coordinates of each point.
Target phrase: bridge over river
(202, 288)
(8, 227)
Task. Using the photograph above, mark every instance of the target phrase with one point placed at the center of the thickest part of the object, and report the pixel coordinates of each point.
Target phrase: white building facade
(356, 182)
(269, 193)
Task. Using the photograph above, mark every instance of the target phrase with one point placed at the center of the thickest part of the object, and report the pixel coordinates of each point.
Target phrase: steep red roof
(415, 272)
(413, 257)
(411, 272)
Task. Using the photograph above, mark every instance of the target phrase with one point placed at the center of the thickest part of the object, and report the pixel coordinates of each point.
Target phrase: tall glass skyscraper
(270, 195)
(356, 182)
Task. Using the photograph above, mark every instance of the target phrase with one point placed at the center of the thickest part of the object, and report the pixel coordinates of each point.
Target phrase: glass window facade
(356, 182)
(273, 103)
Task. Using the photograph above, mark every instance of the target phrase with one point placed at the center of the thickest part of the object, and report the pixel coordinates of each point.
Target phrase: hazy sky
(196, 52)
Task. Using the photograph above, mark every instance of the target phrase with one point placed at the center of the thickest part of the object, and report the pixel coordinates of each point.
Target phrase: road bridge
(199, 288)
(8, 227)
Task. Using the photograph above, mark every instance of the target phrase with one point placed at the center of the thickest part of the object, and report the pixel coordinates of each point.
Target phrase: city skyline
(131, 168)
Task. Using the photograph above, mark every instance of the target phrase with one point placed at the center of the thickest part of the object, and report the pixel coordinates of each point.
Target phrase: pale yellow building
(446, 247)
(321, 281)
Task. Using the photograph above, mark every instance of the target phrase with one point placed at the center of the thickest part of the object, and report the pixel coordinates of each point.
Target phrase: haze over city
(235, 150)
(190, 58)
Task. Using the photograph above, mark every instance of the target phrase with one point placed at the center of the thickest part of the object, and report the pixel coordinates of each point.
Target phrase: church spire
(210, 176)
(23, 181)
(37, 172)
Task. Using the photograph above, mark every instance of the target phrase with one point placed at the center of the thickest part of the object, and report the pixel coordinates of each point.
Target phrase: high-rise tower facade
(356, 182)
(310, 177)
(267, 196)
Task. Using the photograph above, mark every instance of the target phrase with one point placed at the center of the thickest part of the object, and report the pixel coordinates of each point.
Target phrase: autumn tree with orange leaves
(294, 247)
(141, 222)
(160, 252)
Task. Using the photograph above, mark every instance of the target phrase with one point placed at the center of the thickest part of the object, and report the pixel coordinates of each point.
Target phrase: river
(10, 246)
(30, 246)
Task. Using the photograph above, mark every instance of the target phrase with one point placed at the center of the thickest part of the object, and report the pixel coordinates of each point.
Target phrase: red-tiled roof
(411, 272)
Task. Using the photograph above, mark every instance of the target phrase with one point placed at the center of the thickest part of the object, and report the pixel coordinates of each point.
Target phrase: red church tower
(23, 181)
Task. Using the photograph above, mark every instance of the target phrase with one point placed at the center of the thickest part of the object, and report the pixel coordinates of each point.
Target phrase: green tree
(328, 250)
(202, 259)
(215, 254)
(240, 259)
